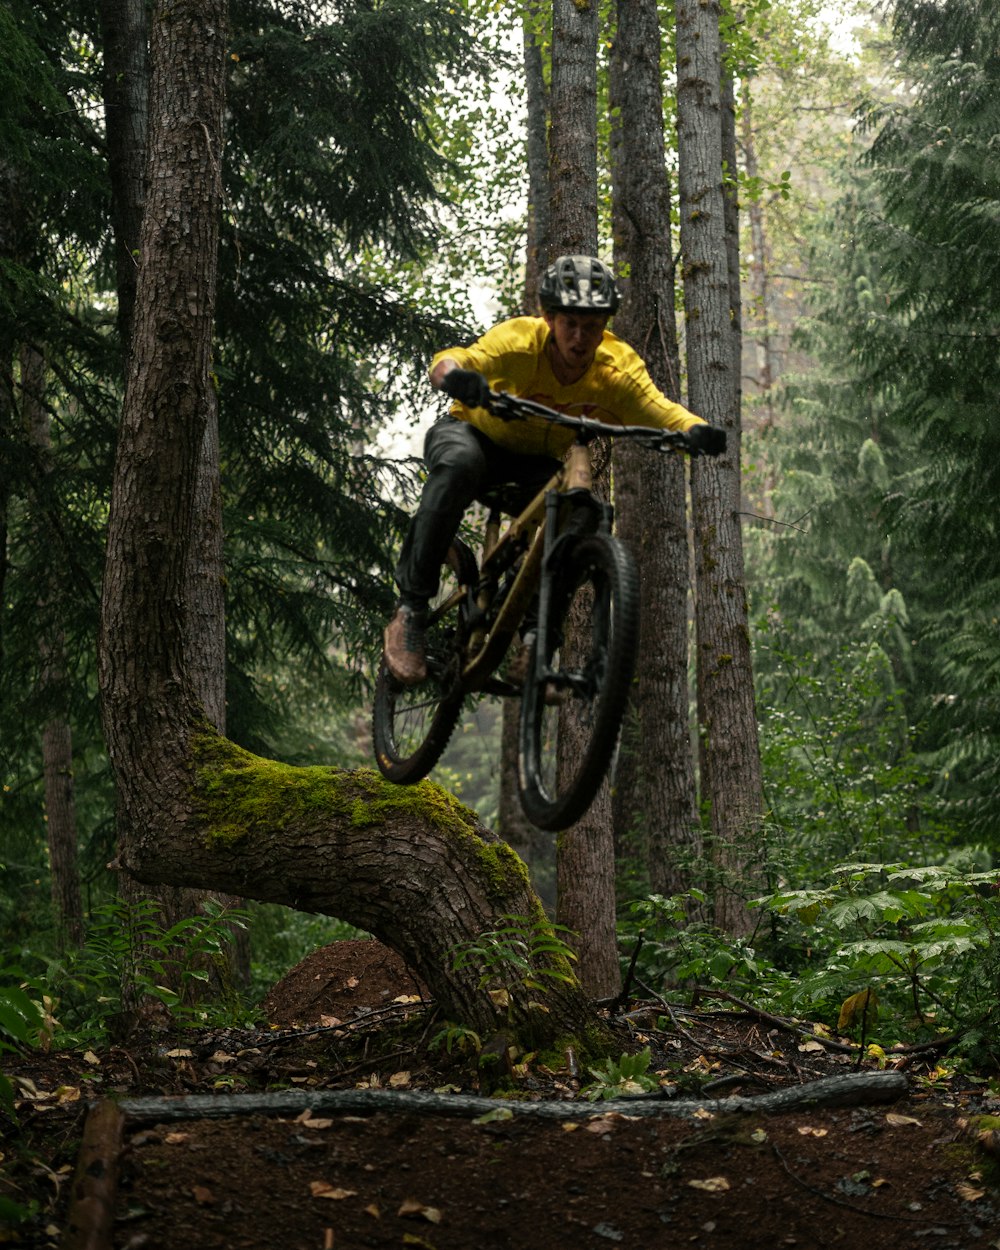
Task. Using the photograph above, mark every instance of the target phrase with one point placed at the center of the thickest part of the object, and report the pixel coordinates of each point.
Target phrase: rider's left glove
(467, 386)
(707, 439)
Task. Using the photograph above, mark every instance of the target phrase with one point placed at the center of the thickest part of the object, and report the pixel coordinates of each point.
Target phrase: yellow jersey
(616, 388)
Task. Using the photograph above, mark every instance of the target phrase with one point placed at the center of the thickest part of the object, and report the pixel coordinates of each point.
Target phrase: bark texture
(573, 129)
(537, 96)
(651, 490)
(125, 38)
(730, 759)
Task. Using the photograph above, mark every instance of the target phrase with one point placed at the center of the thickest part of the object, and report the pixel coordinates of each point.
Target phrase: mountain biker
(566, 359)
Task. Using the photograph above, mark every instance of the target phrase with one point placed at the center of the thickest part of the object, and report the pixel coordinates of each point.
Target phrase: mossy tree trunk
(412, 866)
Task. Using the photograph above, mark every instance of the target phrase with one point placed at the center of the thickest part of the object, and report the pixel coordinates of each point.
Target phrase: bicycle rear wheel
(412, 725)
(571, 715)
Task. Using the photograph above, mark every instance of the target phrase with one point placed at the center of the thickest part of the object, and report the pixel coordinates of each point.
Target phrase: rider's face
(577, 336)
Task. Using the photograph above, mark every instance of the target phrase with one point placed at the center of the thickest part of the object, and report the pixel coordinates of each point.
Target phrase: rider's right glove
(467, 386)
(708, 439)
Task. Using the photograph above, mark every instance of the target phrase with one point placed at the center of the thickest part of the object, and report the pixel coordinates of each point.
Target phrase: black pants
(462, 463)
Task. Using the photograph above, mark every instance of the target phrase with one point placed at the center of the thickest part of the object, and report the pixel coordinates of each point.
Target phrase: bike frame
(536, 532)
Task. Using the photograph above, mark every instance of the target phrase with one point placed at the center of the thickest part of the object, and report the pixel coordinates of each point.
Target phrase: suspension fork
(568, 518)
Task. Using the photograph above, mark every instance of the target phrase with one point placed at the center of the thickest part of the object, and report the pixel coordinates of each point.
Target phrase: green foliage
(128, 956)
(456, 1038)
(679, 951)
(527, 948)
(617, 1078)
(927, 937)
(841, 775)
(21, 1024)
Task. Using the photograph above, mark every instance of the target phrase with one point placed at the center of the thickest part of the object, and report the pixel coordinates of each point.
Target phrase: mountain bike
(558, 559)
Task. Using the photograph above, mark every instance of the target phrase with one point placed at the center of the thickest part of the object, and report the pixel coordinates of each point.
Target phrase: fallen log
(835, 1091)
(95, 1185)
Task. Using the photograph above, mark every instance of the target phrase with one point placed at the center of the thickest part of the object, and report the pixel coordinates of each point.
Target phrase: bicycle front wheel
(412, 725)
(575, 696)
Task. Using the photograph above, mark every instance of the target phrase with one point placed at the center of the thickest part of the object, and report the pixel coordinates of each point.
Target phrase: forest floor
(405, 1166)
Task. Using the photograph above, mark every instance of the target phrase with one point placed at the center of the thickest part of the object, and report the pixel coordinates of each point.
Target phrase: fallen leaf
(181, 1053)
(316, 1125)
(91, 1058)
(812, 1046)
(758, 1135)
(410, 1207)
(221, 1056)
(898, 1121)
(570, 1126)
(702, 1114)
(323, 1189)
(492, 1117)
(863, 1004)
(203, 1195)
(68, 1093)
(372, 1209)
(399, 1079)
(712, 1185)
(807, 1130)
(352, 983)
(969, 1193)
(407, 998)
(175, 1138)
(330, 1022)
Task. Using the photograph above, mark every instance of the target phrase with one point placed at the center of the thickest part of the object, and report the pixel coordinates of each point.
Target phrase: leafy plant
(129, 956)
(21, 1022)
(927, 935)
(527, 948)
(616, 1078)
(679, 951)
(458, 1038)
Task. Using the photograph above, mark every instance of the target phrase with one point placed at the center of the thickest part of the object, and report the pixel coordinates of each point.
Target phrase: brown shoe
(405, 655)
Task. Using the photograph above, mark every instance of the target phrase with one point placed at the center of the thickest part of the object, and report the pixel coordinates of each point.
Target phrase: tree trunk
(57, 735)
(573, 130)
(125, 30)
(730, 759)
(124, 37)
(585, 861)
(758, 271)
(408, 865)
(533, 846)
(651, 490)
(537, 249)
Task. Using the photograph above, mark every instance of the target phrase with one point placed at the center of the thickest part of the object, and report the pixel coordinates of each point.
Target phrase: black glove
(707, 439)
(467, 386)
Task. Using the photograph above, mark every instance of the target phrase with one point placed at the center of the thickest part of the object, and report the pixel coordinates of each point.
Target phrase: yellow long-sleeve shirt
(616, 388)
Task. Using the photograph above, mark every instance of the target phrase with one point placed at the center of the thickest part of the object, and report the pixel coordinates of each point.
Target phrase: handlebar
(512, 408)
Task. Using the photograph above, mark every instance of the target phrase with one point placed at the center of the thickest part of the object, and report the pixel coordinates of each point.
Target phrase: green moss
(237, 793)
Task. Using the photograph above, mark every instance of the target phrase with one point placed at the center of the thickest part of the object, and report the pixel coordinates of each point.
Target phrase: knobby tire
(598, 587)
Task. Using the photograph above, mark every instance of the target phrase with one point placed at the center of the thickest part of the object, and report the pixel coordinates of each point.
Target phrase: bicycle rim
(411, 726)
(566, 748)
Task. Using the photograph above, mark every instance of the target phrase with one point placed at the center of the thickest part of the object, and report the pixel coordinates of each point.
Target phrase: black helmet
(578, 282)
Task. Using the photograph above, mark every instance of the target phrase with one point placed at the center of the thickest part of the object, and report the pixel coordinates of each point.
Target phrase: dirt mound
(337, 981)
